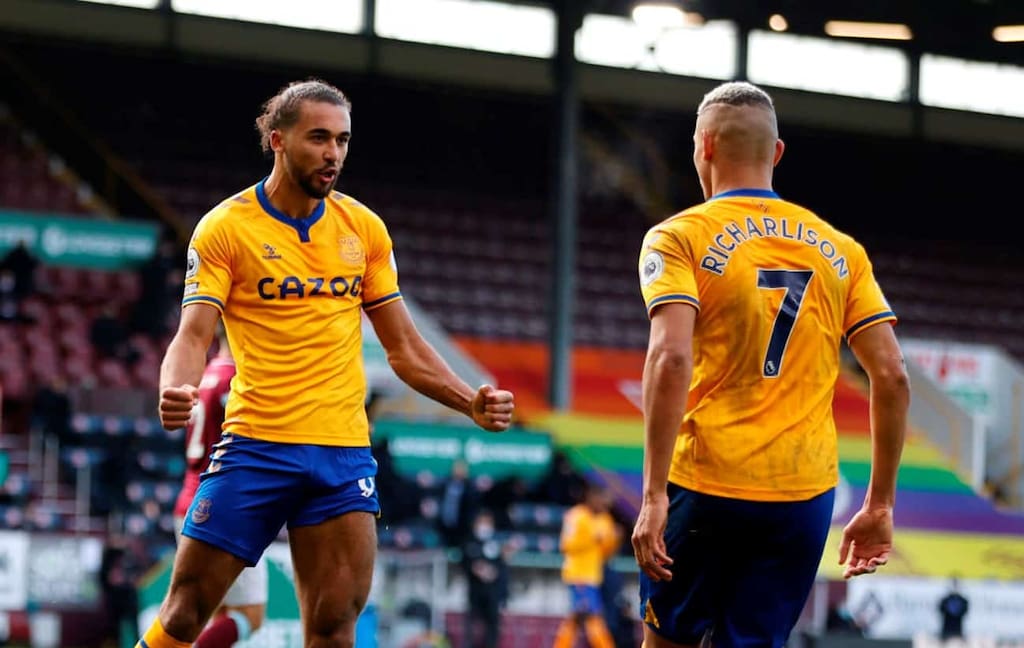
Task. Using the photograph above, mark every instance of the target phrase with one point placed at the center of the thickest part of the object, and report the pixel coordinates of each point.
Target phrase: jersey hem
(344, 442)
(752, 495)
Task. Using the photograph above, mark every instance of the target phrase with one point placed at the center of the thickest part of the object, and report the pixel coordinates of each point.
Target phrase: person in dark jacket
(484, 562)
(953, 608)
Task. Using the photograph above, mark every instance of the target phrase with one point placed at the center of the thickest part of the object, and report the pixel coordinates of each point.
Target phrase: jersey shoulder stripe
(380, 301)
(869, 321)
(195, 299)
(665, 299)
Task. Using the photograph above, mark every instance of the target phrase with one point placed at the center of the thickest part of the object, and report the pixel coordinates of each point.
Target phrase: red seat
(98, 285)
(14, 384)
(112, 373)
(67, 283)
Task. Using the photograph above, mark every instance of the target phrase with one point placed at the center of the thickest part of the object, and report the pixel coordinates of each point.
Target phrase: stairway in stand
(39, 500)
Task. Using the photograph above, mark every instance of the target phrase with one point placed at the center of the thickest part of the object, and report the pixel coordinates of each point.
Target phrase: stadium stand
(34, 179)
(977, 300)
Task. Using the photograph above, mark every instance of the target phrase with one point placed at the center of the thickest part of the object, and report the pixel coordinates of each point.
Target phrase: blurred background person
(484, 561)
(119, 569)
(458, 503)
(562, 483)
(21, 264)
(619, 607)
(589, 537)
(839, 620)
(952, 609)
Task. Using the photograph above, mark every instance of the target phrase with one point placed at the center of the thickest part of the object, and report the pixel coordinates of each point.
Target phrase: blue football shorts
(252, 488)
(742, 570)
(585, 600)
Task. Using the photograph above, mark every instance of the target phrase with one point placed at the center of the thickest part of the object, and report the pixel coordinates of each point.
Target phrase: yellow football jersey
(777, 289)
(587, 540)
(291, 292)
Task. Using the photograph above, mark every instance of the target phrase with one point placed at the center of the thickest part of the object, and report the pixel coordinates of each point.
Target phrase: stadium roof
(961, 28)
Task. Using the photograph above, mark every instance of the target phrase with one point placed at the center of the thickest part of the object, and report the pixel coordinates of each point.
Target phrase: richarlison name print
(735, 234)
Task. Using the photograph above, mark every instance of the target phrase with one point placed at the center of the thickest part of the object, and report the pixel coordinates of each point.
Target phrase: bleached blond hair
(737, 93)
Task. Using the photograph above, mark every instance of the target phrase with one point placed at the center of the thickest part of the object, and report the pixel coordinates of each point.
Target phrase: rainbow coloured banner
(942, 525)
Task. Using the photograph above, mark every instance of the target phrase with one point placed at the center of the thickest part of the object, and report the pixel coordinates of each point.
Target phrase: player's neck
(287, 197)
(740, 179)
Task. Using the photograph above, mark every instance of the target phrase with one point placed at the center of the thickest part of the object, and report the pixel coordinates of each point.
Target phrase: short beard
(306, 183)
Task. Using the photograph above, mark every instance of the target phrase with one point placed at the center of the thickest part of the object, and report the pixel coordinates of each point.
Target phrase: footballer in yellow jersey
(750, 297)
(588, 539)
(290, 265)
(294, 289)
(777, 290)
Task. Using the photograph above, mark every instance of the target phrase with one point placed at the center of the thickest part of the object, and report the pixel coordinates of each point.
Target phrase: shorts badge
(201, 513)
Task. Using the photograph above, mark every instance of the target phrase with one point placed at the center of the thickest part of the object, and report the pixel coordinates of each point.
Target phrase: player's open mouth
(328, 176)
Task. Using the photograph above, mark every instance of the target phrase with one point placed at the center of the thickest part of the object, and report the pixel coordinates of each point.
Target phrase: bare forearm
(420, 367)
(183, 363)
(889, 406)
(666, 385)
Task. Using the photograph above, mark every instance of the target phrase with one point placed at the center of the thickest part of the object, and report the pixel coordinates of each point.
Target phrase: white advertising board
(13, 570)
(903, 608)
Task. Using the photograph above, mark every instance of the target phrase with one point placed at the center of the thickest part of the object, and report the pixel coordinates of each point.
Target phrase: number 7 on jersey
(794, 282)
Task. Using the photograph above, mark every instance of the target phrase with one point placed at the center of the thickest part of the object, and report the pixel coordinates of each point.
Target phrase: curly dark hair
(282, 110)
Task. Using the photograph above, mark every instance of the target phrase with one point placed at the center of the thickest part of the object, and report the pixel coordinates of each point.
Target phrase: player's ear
(780, 148)
(707, 139)
(276, 141)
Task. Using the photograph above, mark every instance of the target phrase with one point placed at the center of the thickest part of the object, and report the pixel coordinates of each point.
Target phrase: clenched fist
(492, 408)
(176, 405)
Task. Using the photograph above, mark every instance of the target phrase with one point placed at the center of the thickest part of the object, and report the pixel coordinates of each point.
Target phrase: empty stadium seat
(167, 464)
(535, 542)
(17, 486)
(137, 524)
(978, 298)
(31, 178)
(12, 516)
(529, 515)
(83, 457)
(44, 517)
(409, 537)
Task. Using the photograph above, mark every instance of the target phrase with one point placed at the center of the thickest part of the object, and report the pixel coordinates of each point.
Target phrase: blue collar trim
(301, 225)
(746, 193)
